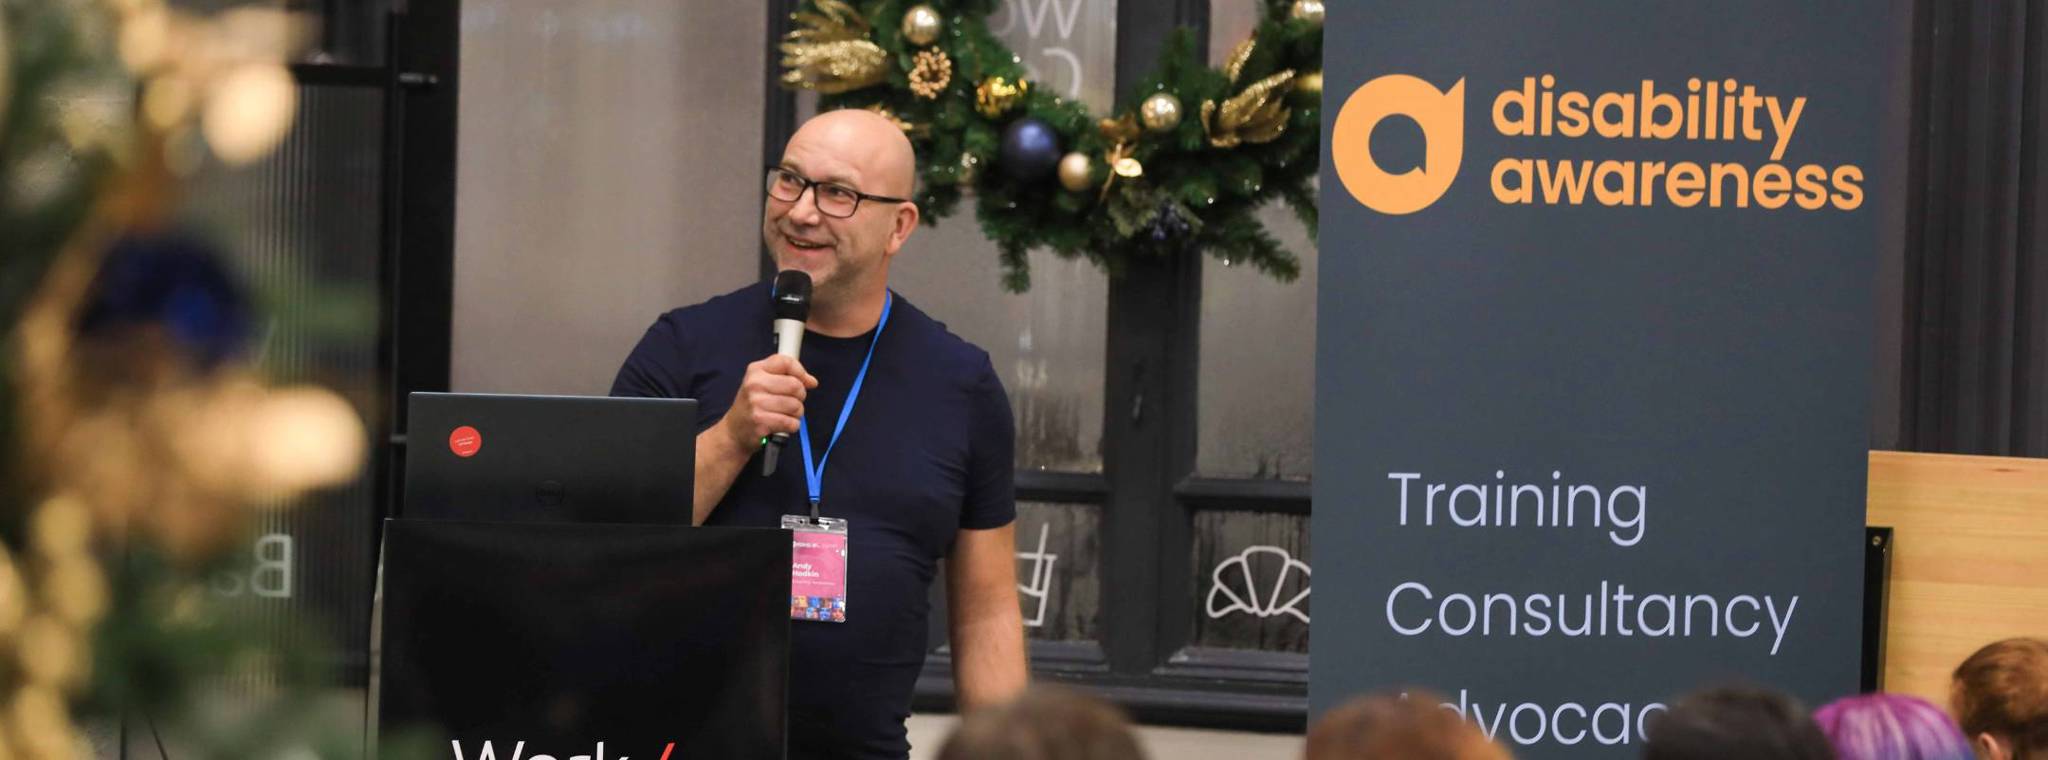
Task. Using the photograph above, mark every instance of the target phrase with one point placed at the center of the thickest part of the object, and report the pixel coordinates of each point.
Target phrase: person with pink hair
(1891, 727)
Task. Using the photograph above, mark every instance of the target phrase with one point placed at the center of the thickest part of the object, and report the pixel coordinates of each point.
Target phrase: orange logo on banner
(1441, 114)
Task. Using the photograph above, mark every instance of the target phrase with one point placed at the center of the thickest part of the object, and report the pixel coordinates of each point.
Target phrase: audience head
(1890, 727)
(1385, 727)
(1735, 723)
(1044, 723)
(2000, 697)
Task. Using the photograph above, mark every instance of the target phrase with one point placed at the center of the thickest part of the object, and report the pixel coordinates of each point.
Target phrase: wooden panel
(1969, 562)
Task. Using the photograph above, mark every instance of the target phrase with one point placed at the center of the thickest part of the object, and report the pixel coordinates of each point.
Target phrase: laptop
(549, 458)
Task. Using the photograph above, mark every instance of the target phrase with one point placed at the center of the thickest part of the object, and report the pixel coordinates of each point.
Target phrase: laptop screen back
(550, 458)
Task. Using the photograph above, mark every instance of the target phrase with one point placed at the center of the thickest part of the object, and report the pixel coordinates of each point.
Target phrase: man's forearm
(719, 462)
(988, 659)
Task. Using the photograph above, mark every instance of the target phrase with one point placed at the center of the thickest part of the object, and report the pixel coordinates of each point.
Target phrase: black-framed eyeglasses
(833, 199)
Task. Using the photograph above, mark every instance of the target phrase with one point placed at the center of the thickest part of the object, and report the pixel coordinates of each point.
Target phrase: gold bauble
(996, 95)
(1310, 83)
(47, 651)
(311, 438)
(75, 592)
(1307, 10)
(921, 25)
(14, 596)
(61, 529)
(1075, 171)
(167, 100)
(38, 721)
(248, 111)
(145, 38)
(1160, 113)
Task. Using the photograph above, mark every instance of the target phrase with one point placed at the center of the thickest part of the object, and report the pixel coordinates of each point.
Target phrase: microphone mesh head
(792, 295)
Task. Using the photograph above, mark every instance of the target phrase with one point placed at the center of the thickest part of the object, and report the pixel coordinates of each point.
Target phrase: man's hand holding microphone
(770, 402)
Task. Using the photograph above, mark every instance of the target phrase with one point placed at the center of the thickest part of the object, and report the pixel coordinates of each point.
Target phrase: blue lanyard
(814, 475)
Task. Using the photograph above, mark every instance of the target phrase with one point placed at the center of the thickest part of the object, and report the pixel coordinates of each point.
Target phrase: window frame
(1148, 492)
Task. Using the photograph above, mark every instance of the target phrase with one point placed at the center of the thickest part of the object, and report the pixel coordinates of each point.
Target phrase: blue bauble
(1030, 150)
(174, 283)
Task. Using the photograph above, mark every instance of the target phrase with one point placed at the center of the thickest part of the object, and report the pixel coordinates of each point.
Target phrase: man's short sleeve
(659, 366)
(991, 466)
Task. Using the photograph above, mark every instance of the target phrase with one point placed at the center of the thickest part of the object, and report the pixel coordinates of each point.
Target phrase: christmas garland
(1184, 163)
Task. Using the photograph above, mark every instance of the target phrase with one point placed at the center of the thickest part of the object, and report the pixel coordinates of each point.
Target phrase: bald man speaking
(909, 455)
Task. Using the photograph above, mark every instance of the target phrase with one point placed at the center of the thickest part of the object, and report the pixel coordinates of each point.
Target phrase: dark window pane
(1255, 404)
(1252, 587)
(1256, 399)
(1058, 570)
(1047, 344)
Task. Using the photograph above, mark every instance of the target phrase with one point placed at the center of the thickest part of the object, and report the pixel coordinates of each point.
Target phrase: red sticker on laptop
(465, 441)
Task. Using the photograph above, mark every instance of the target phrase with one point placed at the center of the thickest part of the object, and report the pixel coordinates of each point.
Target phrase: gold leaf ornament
(909, 128)
(1238, 56)
(1256, 115)
(1119, 130)
(830, 52)
(1311, 83)
(995, 96)
(1121, 133)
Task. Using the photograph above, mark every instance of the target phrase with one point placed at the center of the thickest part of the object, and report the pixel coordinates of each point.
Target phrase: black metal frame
(1877, 577)
(418, 283)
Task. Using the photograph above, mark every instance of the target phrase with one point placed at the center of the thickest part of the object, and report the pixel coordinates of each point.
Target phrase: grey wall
(608, 170)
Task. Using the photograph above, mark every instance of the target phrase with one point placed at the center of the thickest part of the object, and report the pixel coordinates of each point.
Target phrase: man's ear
(1988, 747)
(906, 223)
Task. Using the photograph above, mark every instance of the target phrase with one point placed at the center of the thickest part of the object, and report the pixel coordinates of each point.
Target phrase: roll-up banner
(1594, 355)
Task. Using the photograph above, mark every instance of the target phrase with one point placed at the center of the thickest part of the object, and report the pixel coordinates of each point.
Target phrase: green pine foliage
(165, 652)
(1192, 196)
(46, 187)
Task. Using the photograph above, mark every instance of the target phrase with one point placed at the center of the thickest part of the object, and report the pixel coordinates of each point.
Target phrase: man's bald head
(870, 144)
(846, 255)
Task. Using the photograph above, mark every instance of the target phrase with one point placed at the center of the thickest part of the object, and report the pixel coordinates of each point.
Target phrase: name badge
(817, 568)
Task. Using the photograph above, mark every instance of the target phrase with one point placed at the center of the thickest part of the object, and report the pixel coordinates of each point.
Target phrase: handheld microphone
(792, 297)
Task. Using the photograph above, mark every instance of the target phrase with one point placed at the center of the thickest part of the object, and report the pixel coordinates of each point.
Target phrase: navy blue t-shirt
(927, 452)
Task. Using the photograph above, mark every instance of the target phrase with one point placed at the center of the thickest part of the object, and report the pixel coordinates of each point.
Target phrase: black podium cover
(654, 640)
